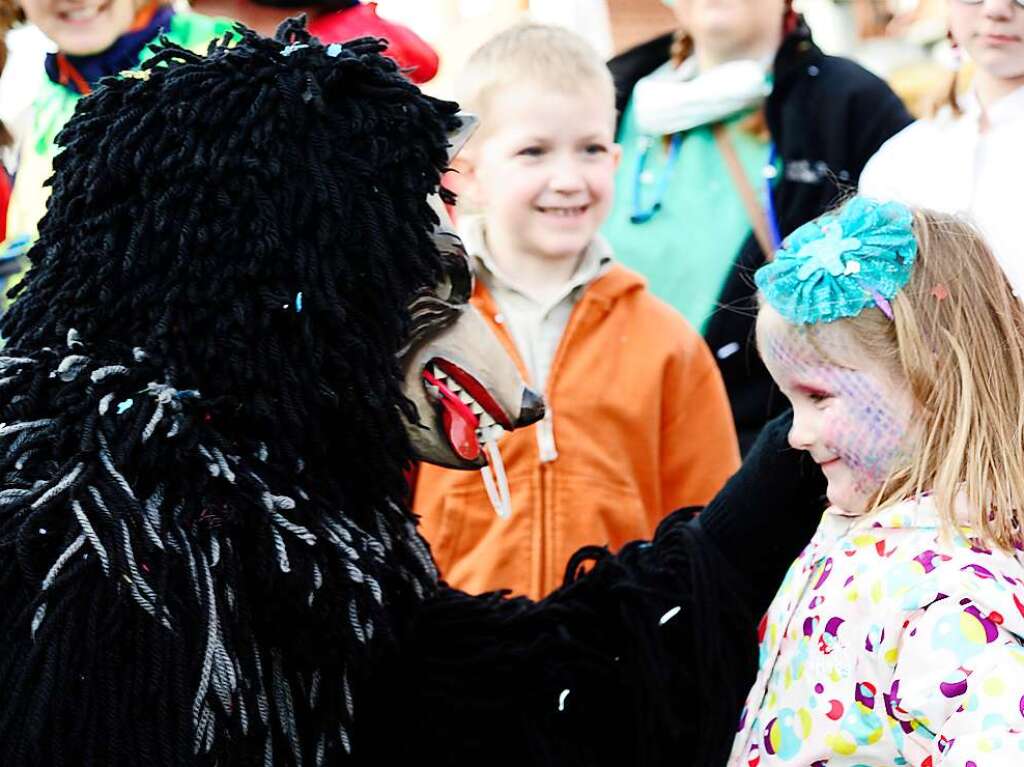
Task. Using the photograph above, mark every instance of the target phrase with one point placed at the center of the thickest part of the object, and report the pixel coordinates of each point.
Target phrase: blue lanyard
(770, 172)
(642, 213)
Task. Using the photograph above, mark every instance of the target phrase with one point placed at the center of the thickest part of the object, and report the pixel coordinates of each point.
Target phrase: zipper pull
(546, 437)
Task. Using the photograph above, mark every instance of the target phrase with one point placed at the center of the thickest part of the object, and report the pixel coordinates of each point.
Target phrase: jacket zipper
(546, 446)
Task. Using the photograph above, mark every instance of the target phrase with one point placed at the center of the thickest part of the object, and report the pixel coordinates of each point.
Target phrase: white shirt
(21, 79)
(948, 164)
(536, 327)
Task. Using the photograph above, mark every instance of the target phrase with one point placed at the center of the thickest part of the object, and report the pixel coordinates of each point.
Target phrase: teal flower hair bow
(841, 263)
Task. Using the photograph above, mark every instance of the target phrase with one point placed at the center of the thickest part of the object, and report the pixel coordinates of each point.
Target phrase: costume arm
(956, 689)
(644, 659)
(635, 662)
(766, 513)
(699, 451)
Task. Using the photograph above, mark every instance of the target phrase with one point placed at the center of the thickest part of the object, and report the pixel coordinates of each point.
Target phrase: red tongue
(461, 425)
(459, 421)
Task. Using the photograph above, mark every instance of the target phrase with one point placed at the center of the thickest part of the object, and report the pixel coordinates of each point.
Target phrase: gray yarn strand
(99, 374)
(90, 533)
(199, 703)
(300, 532)
(62, 560)
(11, 428)
(108, 463)
(282, 552)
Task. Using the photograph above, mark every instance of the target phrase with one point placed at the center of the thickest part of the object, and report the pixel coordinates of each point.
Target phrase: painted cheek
(870, 434)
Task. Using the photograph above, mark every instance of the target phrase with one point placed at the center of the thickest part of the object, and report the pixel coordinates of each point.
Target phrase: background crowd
(615, 214)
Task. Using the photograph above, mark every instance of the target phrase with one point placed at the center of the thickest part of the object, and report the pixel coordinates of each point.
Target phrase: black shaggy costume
(205, 553)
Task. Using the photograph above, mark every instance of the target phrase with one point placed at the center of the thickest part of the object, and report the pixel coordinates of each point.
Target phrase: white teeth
(489, 433)
(488, 430)
(82, 14)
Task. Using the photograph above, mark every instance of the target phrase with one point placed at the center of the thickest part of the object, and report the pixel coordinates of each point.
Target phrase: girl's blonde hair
(957, 338)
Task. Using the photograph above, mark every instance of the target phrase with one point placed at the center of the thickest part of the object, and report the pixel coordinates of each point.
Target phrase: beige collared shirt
(536, 327)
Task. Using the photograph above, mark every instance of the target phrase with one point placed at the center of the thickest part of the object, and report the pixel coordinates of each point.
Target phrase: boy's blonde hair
(537, 54)
(957, 339)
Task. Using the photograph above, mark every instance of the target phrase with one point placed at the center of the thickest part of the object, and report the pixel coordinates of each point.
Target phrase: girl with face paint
(896, 637)
(717, 165)
(967, 158)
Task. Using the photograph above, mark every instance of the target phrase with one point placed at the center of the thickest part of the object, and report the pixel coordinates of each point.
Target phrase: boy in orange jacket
(637, 423)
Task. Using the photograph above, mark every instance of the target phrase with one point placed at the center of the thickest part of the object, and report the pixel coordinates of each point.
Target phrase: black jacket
(827, 116)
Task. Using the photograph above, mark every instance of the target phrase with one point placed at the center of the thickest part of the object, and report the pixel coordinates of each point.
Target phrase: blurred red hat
(407, 48)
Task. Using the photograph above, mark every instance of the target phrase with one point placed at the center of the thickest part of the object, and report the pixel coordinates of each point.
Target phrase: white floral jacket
(890, 643)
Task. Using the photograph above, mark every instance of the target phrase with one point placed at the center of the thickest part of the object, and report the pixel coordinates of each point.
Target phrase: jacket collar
(81, 73)
(605, 280)
(796, 53)
(617, 281)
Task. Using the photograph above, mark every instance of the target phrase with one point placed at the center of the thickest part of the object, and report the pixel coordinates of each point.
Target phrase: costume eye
(458, 283)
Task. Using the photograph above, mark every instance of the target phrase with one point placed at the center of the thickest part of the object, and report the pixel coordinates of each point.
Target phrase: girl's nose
(801, 435)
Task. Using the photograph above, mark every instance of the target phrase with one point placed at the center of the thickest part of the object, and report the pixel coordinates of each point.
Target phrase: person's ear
(462, 180)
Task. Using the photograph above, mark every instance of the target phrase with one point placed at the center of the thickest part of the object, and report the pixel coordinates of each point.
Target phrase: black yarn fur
(588, 676)
(205, 555)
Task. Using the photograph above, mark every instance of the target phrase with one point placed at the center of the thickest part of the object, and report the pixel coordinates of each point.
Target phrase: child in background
(336, 21)
(637, 421)
(739, 101)
(896, 637)
(967, 159)
(94, 40)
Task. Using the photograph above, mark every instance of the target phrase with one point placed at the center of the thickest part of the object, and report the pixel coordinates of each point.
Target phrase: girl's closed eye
(813, 393)
(596, 148)
(534, 150)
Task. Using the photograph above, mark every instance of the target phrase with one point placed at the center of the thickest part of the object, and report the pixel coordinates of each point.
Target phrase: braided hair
(202, 532)
(257, 222)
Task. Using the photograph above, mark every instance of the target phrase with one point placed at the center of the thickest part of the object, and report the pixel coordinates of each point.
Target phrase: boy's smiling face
(81, 27)
(543, 169)
(850, 412)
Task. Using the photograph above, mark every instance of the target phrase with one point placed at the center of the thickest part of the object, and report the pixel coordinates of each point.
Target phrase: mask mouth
(473, 423)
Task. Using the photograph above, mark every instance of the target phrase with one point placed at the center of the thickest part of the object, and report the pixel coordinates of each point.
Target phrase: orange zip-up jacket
(641, 427)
